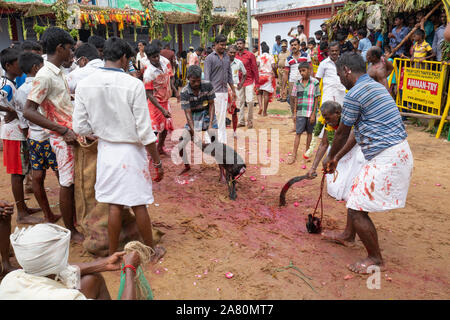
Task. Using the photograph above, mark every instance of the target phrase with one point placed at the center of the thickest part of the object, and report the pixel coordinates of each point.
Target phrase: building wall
(265, 6)
(279, 22)
(230, 5)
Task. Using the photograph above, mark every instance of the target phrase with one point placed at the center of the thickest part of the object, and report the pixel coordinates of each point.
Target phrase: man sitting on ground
(43, 253)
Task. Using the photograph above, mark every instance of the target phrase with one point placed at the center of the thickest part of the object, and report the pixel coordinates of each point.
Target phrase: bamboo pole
(413, 29)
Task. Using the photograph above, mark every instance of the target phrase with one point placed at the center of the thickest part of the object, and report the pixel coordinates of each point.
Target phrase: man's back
(370, 108)
(115, 104)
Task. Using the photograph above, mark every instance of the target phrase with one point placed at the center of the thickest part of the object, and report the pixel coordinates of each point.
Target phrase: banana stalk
(24, 30)
(9, 29)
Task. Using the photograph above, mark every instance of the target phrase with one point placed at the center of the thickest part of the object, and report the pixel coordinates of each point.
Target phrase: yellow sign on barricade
(421, 87)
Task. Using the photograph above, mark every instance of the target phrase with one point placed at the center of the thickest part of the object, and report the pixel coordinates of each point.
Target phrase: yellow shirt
(421, 50)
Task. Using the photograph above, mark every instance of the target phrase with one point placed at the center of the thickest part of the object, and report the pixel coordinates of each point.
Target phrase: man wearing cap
(282, 56)
(43, 252)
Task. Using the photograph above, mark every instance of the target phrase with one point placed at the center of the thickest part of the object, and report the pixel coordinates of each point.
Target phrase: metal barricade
(422, 87)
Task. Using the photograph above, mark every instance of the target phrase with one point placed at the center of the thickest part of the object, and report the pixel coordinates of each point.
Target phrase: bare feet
(249, 125)
(259, 111)
(240, 125)
(76, 237)
(53, 219)
(338, 238)
(186, 169)
(33, 210)
(27, 219)
(291, 159)
(265, 114)
(159, 253)
(362, 265)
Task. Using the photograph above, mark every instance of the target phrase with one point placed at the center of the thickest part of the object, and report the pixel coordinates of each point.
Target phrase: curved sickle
(286, 187)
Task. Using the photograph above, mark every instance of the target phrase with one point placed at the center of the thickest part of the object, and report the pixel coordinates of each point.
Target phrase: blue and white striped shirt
(370, 108)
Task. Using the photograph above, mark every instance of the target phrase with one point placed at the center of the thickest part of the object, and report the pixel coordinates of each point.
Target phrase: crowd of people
(59, 91)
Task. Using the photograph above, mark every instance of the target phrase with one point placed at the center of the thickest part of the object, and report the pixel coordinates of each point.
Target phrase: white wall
(314, 25)
(264, 6)
(270, 30)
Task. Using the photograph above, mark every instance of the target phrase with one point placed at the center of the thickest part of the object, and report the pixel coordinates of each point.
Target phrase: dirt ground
(207, 235)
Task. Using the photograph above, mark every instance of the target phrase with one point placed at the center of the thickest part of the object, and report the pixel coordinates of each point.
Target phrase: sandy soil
(208, 235)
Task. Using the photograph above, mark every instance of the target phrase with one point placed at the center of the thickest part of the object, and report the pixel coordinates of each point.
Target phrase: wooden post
(412, 31)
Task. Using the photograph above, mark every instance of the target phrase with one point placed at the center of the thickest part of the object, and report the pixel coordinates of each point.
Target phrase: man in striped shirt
(383, 182)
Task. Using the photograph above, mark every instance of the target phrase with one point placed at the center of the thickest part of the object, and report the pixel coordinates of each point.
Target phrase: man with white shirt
(42, 156)
(333, 90)
(112, 105)
(300, 35)
(88, 61)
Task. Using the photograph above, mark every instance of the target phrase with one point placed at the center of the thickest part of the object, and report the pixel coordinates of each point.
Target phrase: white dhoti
(331, 94)
(382, 183)
(347, 169)
(220, 108)
(123, 174)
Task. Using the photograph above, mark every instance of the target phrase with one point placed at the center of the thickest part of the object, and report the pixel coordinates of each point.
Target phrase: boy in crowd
(112, 105)
(421, 50)
(88, 61)
(318, 36)
(291, 73)
(364, 43)
(98, 42)
(304, 101)
(157, 85)
(197, 101)
(41, 155)
(50, 91)
(13, 133)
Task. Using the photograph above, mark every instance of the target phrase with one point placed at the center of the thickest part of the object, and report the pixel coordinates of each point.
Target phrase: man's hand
(178, 96)
(330, 165)
(70, 137)
(11, 115)
(311, 173)
(91, 138)
(167, 114)
(112, 263)
(312, 119)
(132, 258)
(6, 209)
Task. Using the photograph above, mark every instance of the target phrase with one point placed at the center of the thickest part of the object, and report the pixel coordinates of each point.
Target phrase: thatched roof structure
(173, 13)
(356, 12)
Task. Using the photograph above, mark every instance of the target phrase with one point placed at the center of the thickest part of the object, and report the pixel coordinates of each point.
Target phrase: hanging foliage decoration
(240, 30)
(155, 19)
(61, 12)
(205, 11)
